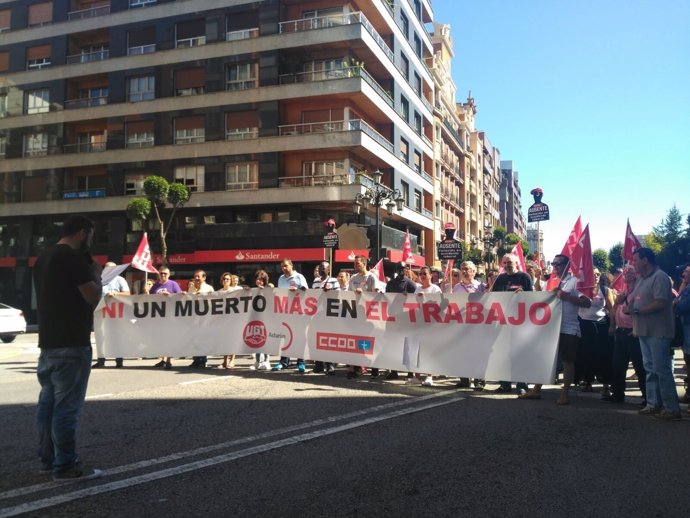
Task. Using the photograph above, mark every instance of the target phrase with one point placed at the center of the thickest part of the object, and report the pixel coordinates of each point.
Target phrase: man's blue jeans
(658, 363)
(63, 374)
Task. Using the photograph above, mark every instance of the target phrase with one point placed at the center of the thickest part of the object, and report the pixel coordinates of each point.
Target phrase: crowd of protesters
(598, 339)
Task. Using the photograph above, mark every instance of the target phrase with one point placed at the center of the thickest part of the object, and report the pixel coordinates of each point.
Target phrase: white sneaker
(413, 381)
(264, 366)
(428, 381)
(255, 366)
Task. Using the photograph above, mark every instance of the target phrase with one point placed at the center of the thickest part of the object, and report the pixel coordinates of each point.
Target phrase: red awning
(395, 256)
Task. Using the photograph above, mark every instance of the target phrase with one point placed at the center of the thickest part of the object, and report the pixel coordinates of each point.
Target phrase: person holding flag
(569, 338)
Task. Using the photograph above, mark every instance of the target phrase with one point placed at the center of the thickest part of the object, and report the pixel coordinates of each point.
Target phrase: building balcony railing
(147, 142)
(317, 180)
(85, 147)
(141, 49)
(335, 126)
(88, 57)
(241, 84)
(242, 186)
(244, 34)
(242, 134)
(85, 102)
(323, 22)
(338, 73)
(100, 10)
(186, 43)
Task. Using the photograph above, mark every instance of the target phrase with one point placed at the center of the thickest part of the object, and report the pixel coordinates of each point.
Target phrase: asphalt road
(242, 443)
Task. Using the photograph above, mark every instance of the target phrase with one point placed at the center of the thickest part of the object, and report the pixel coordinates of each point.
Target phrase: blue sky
(591, 101)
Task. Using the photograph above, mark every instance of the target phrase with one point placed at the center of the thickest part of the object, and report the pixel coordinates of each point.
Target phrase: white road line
(99, 396)
(227, 457)
(243, 440)
(207, 380)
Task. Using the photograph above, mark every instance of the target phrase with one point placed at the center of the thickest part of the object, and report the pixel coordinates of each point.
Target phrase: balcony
(244, 34)
(91, 12)
(86, 102)
(335, 126)
(186, 43)
(235, 85)
(88, 57)
(317, 180)
(242, 134)
(139, 143)
(85, 147)
(141, 49)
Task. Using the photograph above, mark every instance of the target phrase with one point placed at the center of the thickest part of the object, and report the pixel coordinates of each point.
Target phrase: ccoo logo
(255, 334)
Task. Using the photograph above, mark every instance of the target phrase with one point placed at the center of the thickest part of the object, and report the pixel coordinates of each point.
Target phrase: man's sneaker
(76, 472)
(428, 381)
(330, 369)
(278, 367)
(301, 368)
(649, 410)
(99, 364)
(264, 366)
(463, 383)
(374, 372)
(392, 375)
(255, 367)
(665, 415)
(413, 381)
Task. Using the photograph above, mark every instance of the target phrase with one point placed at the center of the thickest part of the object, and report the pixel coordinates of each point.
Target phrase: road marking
(207, 380)
(99, 396)
(201, 464)
(236, 442)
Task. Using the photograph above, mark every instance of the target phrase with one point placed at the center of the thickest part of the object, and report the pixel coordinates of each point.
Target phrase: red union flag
(573, 238)
(581, 263)
(631, 244)
(407, 256)
(517, 250)
(377, 270)
(142, 259)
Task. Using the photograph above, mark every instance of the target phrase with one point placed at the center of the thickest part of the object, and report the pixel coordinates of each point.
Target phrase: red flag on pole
(517, 250)
(377, 270)
(631, 244)
(573, 238)
(553, 283)
(581, 263)
(618, 283)
(142, 260)
(407, 256)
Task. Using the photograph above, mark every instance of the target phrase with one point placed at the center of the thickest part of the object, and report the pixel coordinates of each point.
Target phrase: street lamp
(378, 195)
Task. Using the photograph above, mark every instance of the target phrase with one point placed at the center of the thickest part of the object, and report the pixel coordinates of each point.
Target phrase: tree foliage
(159, 193)
(653, 242)
(616, 256)
(670, 229)
(600, 260)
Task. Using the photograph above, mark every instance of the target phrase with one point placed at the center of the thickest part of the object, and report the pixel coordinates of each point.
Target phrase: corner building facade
(274, 113)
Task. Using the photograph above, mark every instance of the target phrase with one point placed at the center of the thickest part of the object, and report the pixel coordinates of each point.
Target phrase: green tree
(653, 242)
(159, 193)
(671, 228)
(600, 259)
(616, 256)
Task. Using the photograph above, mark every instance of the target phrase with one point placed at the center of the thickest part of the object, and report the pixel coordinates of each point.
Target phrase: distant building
(510, 200)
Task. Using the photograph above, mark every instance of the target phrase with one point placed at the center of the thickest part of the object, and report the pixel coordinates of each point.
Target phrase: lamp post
(377, 196)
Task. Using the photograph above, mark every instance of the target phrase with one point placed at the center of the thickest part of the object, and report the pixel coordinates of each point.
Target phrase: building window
(140, 134)
(241, 125)
(38, 57)
(36, 144)
(190, 130)
(141, 88)
(4, 61)
(40, 14)
(190, 81)
(191, 176)
(405, 66)
(417, 46)
(241, 77)
(405, 25)
(91, 141)
(405, 190)
(96, 96)
(190, 33)
(38, 101)
(242, 176)
(417, 201)
(141, 41)
(141, 3)
(418, 9)
(324, 171)
(134, 184)
(404, 151)
(404, 108)
(5, 15)
(3, 105)
(418, 162)
(418, 123)
(417, 84)
(326, 69)
(3, 145)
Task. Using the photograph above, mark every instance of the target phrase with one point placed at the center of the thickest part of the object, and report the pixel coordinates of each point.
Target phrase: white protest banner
(508, 336)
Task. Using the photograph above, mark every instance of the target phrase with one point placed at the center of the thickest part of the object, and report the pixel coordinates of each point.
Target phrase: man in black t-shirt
(401, 283)
(511, 279)
(68, 288)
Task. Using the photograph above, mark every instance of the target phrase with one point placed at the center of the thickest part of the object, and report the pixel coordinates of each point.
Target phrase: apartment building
(511, 200)
(274, 113)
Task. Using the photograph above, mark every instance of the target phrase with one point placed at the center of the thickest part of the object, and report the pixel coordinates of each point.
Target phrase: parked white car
(12, 323)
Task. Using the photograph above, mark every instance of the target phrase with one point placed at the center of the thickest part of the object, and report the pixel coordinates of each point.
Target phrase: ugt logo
(254, 334)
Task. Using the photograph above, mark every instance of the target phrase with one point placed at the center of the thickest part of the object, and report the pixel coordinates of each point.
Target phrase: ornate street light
(378, 195)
